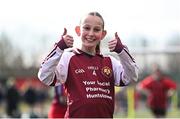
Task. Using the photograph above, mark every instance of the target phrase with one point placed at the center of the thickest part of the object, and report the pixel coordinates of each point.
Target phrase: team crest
(106, 71)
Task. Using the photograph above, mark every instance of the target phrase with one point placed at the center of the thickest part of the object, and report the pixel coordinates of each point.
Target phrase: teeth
(90, 40)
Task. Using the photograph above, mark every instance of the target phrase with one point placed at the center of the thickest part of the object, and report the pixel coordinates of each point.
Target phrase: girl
(88, 76)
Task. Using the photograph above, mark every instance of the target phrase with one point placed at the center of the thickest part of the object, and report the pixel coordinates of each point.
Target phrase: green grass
(145, 113)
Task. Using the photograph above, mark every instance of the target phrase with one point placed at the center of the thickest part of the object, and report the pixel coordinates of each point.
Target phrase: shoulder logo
(106, 71)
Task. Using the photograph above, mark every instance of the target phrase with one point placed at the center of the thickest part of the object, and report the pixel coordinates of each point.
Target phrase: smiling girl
(88, 76)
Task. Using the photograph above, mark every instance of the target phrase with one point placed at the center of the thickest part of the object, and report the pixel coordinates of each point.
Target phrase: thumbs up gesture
(66, 40)
(115, 44)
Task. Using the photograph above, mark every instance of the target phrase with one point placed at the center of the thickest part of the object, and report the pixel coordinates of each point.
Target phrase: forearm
(47, 70)
(130, 72)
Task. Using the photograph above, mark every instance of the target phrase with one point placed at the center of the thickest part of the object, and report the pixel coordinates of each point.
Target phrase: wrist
(61, 44)
(119, 47)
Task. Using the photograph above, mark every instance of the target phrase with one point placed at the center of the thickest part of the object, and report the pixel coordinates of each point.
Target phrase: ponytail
(98, 47)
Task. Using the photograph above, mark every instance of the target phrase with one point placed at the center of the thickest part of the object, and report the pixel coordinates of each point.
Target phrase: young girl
(88, 76)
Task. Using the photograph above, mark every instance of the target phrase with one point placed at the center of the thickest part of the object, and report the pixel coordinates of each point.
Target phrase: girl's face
(91, 32)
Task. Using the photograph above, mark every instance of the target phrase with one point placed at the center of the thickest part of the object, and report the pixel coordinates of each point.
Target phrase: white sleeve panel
(129, 65)
(62, 67)
(126, 70)
(117, 70)
(55, 66)
(47, 71)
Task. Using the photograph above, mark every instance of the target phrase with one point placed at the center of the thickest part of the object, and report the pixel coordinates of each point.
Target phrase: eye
(86, 28)
(97, 29)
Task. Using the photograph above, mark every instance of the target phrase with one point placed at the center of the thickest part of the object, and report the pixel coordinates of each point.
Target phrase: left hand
(115, 44)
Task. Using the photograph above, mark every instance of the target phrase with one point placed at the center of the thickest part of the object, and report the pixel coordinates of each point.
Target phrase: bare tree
(11, 58)
(5, 50)
(173, 58)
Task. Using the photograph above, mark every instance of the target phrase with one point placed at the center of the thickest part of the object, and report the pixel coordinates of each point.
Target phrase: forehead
(92, 20)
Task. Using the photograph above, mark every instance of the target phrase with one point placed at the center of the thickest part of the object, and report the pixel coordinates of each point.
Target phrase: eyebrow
(97, 26)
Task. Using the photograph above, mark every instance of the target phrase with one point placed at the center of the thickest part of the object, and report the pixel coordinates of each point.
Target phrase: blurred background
(29, 29)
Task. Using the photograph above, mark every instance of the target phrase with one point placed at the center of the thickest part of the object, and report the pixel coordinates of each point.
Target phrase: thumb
(119, 46)
(116, 36)
(65, 32)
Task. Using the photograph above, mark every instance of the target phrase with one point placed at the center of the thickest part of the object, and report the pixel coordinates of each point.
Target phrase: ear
(103, 34)
(77, 29)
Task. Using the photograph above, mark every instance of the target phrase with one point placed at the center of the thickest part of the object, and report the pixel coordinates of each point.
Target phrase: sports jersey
(89, 80)
(158, 90)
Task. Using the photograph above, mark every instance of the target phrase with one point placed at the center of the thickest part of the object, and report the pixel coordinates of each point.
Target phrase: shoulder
(70, 51)
(111, 57)
(168, 80)
(147, 80)
(170, 83)
(68, 54)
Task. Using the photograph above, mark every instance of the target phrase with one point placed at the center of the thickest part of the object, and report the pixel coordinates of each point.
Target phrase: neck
(89, 51)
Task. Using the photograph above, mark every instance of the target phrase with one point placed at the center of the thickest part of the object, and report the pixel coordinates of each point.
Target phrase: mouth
(90, 39)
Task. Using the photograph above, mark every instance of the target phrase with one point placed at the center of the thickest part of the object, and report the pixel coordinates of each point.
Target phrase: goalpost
(131, 102)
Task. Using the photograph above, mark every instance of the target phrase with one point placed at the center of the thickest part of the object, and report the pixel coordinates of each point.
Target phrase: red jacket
(59, 104)
(158, 90)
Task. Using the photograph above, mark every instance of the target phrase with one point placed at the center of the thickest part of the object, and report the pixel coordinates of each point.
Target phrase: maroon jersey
(158, 91)
(89, 80)
(90, 86)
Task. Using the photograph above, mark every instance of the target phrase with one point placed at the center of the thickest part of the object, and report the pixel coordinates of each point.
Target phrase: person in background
(2, 98)
(30, 98)
(89, 77)
(158, 87)
(13, 98)
(59, 103)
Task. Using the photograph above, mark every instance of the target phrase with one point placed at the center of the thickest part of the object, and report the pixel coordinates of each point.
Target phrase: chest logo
(79, 71)
(106, 71)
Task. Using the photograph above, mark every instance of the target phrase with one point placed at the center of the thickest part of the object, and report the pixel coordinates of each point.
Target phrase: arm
(171, 92)
(171, 85)
(142, 88)
(129, 65)
(48, 71)
(126, 71)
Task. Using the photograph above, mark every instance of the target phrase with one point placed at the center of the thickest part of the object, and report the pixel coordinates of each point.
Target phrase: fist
(115, 44)
(68, 39)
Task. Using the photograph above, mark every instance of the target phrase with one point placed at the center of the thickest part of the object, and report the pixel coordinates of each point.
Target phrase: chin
(88, 45)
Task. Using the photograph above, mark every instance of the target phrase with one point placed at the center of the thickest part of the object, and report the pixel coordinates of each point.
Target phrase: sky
(35, 25)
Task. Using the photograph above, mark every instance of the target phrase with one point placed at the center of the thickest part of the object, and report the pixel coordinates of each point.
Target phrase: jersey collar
(79, 52)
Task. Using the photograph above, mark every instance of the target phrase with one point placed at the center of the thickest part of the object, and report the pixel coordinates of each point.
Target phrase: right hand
(68, 39)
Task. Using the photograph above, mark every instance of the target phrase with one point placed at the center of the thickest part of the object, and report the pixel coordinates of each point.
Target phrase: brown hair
(97, 14)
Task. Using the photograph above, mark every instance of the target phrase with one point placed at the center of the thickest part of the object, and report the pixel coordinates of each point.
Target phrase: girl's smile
(91, 33)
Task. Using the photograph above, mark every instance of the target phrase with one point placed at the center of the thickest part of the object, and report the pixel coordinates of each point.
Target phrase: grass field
(145, 113)
(141, 112)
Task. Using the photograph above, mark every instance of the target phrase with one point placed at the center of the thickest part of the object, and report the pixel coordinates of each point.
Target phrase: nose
(91, 32)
